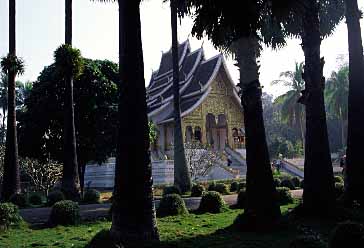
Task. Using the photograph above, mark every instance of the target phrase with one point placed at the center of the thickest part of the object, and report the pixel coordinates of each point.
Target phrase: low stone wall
(103, 176)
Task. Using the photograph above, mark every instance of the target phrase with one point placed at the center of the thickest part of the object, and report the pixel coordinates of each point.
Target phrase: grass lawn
(206, 230)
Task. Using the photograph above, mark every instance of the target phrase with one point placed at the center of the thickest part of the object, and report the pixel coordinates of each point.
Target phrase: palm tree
(355, 158)
(291, 111)
(70, 184)
(12, 66)
(337, 91)
(4, 99)
(133, 211)
(181, 175)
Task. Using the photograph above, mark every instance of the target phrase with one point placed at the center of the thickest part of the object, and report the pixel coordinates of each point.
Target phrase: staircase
(237, 161)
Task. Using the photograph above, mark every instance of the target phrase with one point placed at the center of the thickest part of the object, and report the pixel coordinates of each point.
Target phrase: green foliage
(288, 183)
(221, 188)
(347, 234)
(35, 198)
(9, 215)
(308, 241)
(55, 196)
(197, 190)
(68, 61)
(339, 189)
(153, 132)
(241, 199)
(277, 182)
(65, 213)
(91, 196)
(171, 204)
(20, 200)
(171, 190)
(284, 196)
(242, 186)
(296, 182)
(234, 186)
(338, 179)
(12, 63)
(212, 202)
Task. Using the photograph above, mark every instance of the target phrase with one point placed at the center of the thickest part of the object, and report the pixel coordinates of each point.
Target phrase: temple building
(210, 106)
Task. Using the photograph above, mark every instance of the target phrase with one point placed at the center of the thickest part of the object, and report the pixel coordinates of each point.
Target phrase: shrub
(91, 196)
(347, 234)
(338, 179)
(212, 186)
(170, 205)
(307, 241)
(19, 199)
(234, 187)
(65, 213)
(197, 190)
(9, 215)
(296, 182)
(221, 188)
(241, 199)
(212, 202)
(242, 186)
(339, 189)
(277, 182)
(284, 196)
(54, 197)
(302, 184)
(35, 199)
(171, 190)
(288, 184)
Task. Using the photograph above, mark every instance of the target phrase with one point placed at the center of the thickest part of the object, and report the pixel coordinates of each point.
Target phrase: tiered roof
(196, 76)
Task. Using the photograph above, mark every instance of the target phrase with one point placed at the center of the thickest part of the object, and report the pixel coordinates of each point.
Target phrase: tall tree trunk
(181, 175)
(318, 195)
(11, 179)
(133, 210)
(260, 212)
(355, 136)
(343, 141)
(81, 175)
(302, 129)
(70, 184)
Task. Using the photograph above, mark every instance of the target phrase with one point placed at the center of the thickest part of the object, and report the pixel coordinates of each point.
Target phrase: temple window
(198, 134)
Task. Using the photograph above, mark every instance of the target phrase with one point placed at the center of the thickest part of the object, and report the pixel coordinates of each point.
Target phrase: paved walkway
(95, 211)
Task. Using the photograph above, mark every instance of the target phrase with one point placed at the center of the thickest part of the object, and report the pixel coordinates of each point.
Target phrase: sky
(40, 30)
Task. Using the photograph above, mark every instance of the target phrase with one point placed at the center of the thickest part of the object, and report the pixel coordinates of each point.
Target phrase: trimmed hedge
(219, 187)
(171, 190)
(338, 179)
(9, 215)
(234, 187)
(296, 182)
(288, 184)
(242, 186)
(65, 213)
(277, 182)
(91, 196)
(347, 234)
(197, 190)
(171, 205)
(284, 196)
(35, 198)
(55, 196)
(241, 199)
(19, 199)
(212, 202)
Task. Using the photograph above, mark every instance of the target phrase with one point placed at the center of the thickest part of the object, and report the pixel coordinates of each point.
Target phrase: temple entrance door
(211, 131)
(222, 128)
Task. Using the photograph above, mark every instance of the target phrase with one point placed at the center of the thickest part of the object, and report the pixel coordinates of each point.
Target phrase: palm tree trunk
(133, 211)
(355, 136)
(260, 212)
(342, 128)
(70, 184)
(318, 194)
(302, 129)
(181, 175)
(11, 179)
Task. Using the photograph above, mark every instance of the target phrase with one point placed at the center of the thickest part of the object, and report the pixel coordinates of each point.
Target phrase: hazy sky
(40, 30)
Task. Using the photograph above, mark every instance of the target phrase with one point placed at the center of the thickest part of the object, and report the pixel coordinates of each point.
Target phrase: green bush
(197, 190)
(20, 200)
(347, 234)
(288, 184)
(9, 215)
(241, 199)
(242, 186)
(65, 213)
(302, 184)
(338, 179)
(212, 202)
(234, 187)
(308, 241)
(91, 196)
(221, 188)
(35, 198)
(277, 182)
(54, 197)
(171, 190)
(170, 205)
(339, 189)
(284, 196)
(296, 182)
(211, 186)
